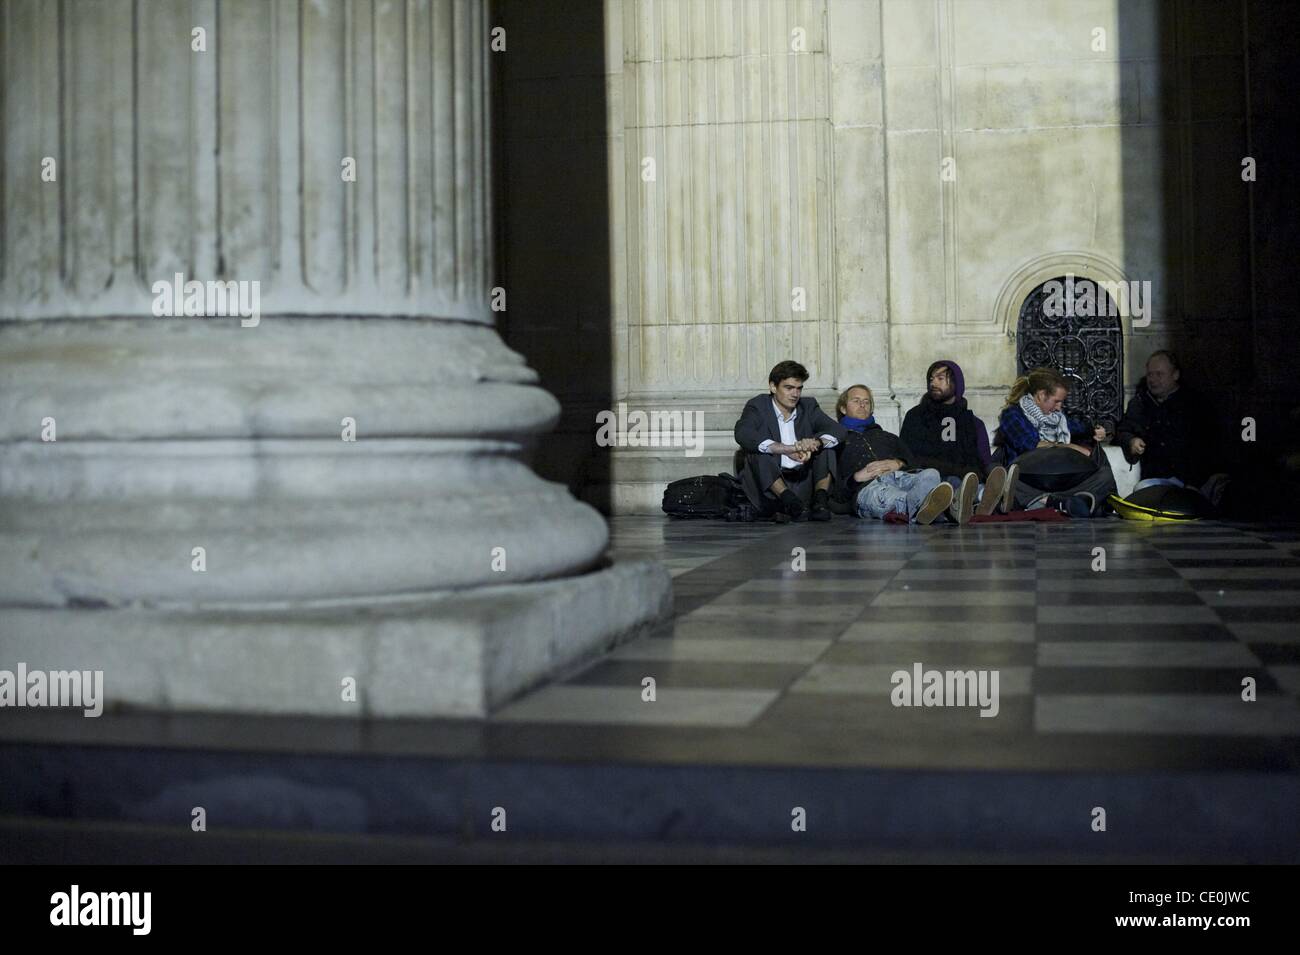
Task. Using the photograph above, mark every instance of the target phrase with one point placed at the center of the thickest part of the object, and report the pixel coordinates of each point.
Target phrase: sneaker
(994, 485)
(821, 507)
(963, 502)
(1078, 506)
(936, 502)
(1009, 490)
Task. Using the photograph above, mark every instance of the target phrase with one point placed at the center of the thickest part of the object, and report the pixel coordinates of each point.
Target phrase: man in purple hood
(943, 433)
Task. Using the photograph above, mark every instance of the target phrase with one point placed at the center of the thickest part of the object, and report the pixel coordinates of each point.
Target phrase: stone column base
(459, 654)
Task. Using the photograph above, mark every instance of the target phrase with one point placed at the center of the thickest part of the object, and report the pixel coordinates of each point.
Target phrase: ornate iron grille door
(1059, 329)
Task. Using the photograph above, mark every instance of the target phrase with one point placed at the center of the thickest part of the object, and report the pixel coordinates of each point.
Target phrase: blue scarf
(858, 424)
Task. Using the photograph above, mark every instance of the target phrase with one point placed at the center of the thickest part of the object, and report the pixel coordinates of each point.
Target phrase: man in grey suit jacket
(787, 441)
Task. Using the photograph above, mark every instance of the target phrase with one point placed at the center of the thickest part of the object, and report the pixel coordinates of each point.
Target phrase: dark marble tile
(1173, 548)
(1085, 573)
(1229, 584)
(971, 561)
(950, 652)
(1288, 614)
(1117, 598)
(1149, 680)
(1276, 653)
(1147, 632)
(1270, 563)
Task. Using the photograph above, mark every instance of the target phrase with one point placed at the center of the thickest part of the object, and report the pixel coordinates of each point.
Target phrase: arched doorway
(1072, 324)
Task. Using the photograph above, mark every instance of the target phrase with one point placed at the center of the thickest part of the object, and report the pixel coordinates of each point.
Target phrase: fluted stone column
(424, 559)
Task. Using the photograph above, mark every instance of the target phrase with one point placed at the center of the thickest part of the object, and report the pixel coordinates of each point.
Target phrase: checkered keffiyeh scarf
(1051, 427)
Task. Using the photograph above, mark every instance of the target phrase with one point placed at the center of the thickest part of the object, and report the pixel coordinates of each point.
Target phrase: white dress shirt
(788, 437)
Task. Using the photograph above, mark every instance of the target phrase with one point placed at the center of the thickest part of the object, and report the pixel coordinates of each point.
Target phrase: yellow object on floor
(1136, 512)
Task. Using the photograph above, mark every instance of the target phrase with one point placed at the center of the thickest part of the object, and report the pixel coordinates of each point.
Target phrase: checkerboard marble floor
(786, 636)
(1118, 688)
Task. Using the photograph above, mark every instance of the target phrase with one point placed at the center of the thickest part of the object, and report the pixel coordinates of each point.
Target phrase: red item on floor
(1047, 515)
(896, 517)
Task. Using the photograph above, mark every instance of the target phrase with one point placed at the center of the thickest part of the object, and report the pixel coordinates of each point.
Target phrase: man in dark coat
(787, 440)
(943, 433)
(1172, 430)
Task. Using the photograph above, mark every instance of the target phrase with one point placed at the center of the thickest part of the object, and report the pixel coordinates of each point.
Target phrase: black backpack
(707, 496)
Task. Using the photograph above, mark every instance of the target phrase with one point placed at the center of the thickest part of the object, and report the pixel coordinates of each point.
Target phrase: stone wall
(868, 185)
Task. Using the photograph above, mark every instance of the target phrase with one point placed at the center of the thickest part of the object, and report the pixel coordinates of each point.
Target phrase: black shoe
(1078, 506)
(792, 507)
(821, 507)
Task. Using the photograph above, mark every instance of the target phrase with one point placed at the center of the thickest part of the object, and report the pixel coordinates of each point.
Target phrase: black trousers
(760, 470)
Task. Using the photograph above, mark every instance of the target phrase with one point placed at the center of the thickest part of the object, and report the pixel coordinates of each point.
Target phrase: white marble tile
(802, 583)
(770, 614)
(965, 573)
(815, 563)
(1172, 714)
(963, 598)
(876, 679)
(624, 705)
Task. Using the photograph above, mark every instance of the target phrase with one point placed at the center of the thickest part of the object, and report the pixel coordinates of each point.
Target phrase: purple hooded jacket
(923, 428)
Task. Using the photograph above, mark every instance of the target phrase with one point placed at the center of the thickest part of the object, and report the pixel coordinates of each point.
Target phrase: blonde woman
(1032, 429)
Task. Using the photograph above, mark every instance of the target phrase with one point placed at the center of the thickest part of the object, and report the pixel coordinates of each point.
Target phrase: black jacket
(1181, 434)
(922, 433)
(758, 423)
(860, 449)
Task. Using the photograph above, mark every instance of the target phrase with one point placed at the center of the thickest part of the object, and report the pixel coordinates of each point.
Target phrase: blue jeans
(896, 491)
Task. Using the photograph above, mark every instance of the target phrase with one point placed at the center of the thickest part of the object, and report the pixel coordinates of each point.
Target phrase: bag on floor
(1055, 469)
(707, 496)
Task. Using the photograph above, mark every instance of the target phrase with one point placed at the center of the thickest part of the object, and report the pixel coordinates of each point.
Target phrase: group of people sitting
(801, 464)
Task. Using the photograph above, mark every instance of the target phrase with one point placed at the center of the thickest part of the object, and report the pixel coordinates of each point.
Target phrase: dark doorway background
(1226, 86)
(551, 214)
